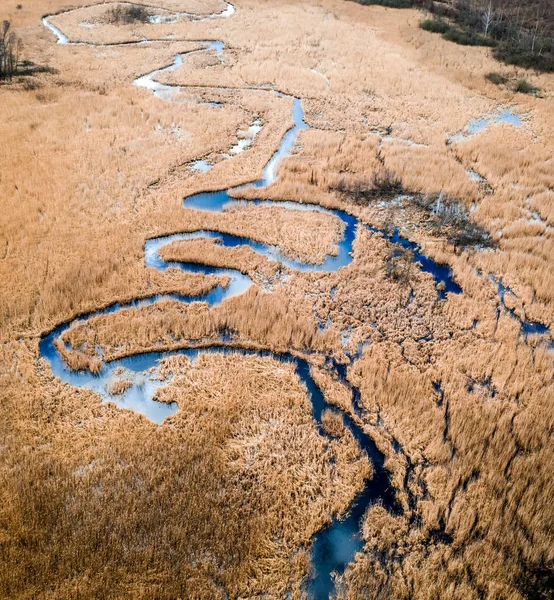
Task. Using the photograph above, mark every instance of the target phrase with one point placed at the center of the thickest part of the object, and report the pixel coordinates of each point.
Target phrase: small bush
(31, 85)
(467, 234)
(436, 25)
(522, 86)
(128, 14)
(448, 218)
(527, 60)
(383, 185)
(496, 78)
(388, 3)
(398, 264)
(467, 38)
(455, 34)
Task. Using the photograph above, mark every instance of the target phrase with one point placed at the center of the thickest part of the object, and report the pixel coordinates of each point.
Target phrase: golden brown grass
(201, 521)
(210, 252)
(118, 387)
(226, 495)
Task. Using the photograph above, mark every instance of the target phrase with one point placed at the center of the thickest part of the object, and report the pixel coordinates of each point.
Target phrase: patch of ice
(246, 138)
(202, 166)
(323, 76)
(505, 115)
(61, 38)
(228, 12)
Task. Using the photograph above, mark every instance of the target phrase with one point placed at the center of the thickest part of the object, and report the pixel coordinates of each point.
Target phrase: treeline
(10, 47)
(522, 33)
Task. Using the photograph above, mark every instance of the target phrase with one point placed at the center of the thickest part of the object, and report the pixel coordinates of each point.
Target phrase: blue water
(335, 546)
(526, 327)
(505, 115)
(442, 274)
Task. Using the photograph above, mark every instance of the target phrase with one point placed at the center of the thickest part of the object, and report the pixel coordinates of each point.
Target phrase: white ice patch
(203, 166)
(246, 138)
(244, 141)
(228, 12)
(61, 38)
(474, 176)
(323, 76)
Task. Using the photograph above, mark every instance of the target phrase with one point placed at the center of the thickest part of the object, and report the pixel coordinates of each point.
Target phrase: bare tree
(488, 17)
(536, 28)
(10, 47)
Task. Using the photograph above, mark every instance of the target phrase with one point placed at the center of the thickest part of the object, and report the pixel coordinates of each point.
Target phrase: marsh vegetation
(224, 498)
(442, 215)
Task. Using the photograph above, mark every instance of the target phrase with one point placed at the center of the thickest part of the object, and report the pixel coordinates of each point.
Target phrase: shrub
(467, 38)
(466, 234)
(435, 25)
(383, 185)
(528, 60)
(496, 78)
(453, 33)
(128, 14)
(522, 86)
(448, 218)
(398, 264)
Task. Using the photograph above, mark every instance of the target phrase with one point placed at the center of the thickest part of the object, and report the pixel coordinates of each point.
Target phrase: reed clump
(119, 387)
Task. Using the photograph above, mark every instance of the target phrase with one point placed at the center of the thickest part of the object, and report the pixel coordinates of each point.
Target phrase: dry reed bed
(307, 236)
(487, 448)
(211, 252)
(80, 203)
(122, 200)
(266, 319)
(509, 213)
(364, 299)
(94, 23)
(227, 446)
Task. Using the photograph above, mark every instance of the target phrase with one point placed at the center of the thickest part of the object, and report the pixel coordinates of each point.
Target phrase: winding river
(334, 547)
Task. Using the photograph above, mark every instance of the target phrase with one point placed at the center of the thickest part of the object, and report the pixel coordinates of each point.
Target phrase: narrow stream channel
(334, 547)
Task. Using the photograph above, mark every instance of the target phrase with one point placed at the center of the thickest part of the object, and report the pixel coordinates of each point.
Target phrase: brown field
(223, 499)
